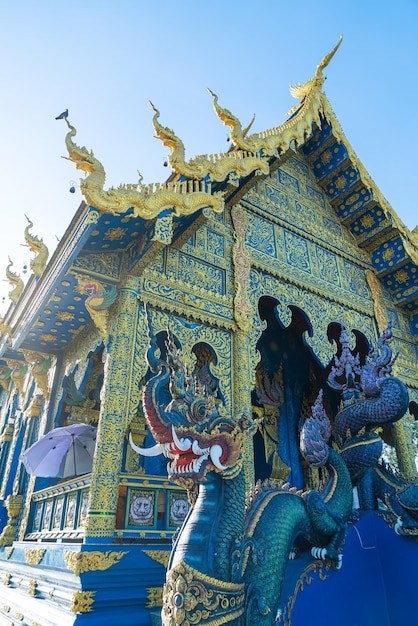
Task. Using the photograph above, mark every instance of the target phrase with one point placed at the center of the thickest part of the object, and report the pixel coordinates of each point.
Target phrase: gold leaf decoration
(82, 601)
(34, 556)
(160, 556)
(81, 562)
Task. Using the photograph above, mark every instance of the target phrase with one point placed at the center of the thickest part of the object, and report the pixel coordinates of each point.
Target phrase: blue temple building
(272, 265)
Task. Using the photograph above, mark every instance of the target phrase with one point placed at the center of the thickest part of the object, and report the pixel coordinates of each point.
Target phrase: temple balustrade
(149, 507)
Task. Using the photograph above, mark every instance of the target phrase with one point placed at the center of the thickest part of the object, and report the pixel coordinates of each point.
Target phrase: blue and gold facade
(301, 225)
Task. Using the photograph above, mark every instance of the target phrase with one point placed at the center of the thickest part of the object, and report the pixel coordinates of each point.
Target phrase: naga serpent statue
(229, 560)
(36, 244)
(146, 201)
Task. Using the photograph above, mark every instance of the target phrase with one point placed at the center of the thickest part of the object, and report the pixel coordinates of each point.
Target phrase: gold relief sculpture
(7, 577)
(13, 503)
(35, 244)
(236, 164)
(8, 552)
(16, 282)
(243, 311)
(40, 366)
(188, 593)
(154, 597)
(35, 406)
(5, 377)
(34, 556)
(160, 556)
(18, 373)
(32, 587)
(82, 601)
(81, 562)
(146, 201)
(97, 302)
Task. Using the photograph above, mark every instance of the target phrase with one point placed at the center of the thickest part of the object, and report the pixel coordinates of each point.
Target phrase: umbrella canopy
(65, 451)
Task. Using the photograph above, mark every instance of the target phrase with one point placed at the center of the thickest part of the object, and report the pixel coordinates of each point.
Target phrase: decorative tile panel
(297, 252)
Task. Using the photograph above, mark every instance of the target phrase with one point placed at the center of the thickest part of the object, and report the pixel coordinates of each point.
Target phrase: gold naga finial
(302, 90)
(277, 140)
(36, 244)
(145, 201)
(16, 282)
(234, 164)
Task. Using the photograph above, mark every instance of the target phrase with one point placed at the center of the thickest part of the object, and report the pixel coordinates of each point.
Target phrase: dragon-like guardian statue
(229, 560)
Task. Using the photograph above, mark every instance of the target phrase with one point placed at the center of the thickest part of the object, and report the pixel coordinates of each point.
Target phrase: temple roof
(53, 307)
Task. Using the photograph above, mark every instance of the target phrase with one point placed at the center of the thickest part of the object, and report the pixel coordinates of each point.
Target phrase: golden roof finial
(277, 140)
(36, 244)
(302, 90)
(16, 282)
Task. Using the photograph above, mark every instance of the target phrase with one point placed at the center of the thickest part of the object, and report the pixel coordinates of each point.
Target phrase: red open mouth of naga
(189, 453)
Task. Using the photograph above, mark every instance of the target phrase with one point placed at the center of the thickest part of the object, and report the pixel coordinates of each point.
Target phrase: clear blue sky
(105, 59)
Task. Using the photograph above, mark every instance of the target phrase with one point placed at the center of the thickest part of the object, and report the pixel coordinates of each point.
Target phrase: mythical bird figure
(146, 201)
(98, 301)
(15, 280)
(277, 140)
(229, 560)
(235, 164)
(36, 244)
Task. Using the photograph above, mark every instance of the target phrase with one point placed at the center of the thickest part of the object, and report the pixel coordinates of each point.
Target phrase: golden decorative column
(120, 398)
(243, 314)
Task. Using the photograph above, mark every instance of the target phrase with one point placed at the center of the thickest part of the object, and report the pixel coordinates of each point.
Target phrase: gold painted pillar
(404, 447)
(120, 397)
(243, 314)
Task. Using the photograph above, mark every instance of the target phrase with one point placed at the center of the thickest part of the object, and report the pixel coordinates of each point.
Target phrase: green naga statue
(229, 560)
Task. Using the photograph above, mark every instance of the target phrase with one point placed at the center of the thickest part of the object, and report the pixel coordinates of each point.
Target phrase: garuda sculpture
(229, 560)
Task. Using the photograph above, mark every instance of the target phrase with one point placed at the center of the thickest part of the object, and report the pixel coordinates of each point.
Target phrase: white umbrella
(65, 451)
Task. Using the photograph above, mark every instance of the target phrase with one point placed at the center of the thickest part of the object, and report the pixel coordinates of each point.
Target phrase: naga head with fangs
(183, 417)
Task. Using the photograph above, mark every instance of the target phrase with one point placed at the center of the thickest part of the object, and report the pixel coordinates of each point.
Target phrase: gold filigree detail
(35, 244)
(6, 581)
(321, 568)
(236, 164)
(154, 597)
(243, 311)
(160, 556)
(188, 593)
(81, 562)
(8, 552)
(146, 201)
(82, 601)
(34, 556)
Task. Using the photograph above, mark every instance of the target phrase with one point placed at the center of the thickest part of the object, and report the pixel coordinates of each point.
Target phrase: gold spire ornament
(146, 201)
(35, 244)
